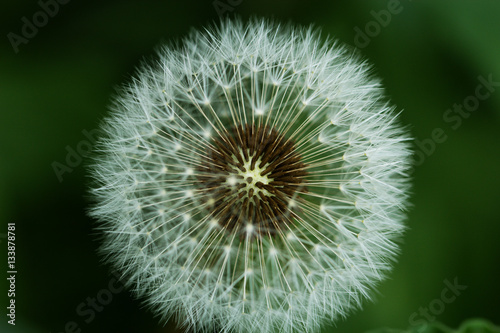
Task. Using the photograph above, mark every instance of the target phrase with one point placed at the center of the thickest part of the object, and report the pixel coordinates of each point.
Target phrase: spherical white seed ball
(252, 180)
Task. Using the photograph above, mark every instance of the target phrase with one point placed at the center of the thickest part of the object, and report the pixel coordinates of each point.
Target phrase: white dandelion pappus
(252, 180)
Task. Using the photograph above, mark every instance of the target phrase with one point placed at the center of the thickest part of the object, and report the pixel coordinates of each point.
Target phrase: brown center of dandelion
(250, 178)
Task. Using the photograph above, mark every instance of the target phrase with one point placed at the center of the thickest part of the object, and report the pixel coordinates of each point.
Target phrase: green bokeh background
(430, 56)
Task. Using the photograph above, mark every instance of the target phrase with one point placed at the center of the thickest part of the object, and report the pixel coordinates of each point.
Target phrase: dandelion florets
(253, 179)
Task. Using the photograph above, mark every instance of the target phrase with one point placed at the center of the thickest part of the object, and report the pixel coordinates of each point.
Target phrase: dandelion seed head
(252, 180)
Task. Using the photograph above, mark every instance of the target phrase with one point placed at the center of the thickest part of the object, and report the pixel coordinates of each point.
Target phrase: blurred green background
(430, 54)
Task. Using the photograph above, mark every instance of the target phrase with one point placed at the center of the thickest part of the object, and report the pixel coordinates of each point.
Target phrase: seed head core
(250, 179)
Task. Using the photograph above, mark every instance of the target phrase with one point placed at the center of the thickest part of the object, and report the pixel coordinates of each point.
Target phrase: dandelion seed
(253, 180)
